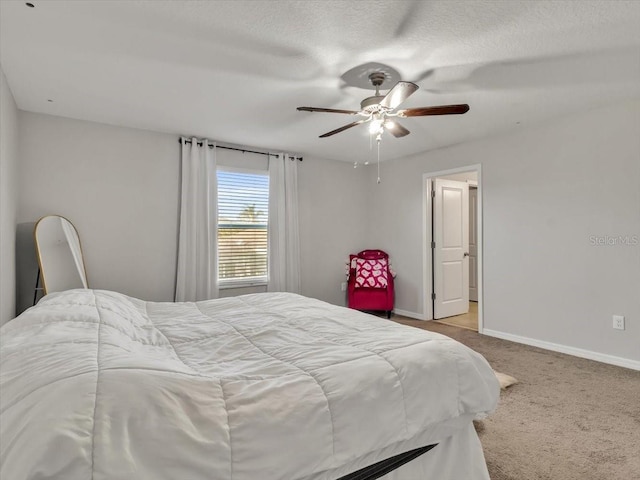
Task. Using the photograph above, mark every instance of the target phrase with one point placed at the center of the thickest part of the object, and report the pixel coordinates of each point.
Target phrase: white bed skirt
(458, 456)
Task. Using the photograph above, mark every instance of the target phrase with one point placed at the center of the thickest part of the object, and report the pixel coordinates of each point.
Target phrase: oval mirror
(59, 254)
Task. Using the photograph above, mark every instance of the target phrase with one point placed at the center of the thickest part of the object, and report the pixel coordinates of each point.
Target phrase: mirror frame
(38, 254)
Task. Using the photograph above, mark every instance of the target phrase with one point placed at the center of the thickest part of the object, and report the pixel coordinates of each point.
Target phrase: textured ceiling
(235, 71)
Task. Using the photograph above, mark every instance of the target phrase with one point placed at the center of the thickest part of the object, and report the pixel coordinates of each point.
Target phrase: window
(243, 213)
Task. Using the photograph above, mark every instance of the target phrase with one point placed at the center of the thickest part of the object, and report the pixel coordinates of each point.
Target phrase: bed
(98, 385)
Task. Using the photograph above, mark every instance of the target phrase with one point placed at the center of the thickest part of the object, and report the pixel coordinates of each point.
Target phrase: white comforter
(97, 385)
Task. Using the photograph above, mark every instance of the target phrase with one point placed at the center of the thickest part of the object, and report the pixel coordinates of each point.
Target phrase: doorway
(453, 247)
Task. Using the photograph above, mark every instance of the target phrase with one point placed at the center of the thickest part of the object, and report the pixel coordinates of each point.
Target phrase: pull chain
(378, 141)
(366, 162)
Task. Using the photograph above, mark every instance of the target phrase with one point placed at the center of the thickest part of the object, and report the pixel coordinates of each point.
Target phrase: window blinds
(243, 211)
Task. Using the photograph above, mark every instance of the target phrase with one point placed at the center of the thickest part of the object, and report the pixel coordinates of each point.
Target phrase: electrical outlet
(343, 286)
(618, 322)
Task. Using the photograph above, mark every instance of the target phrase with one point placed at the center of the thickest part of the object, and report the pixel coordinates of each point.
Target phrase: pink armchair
(370, 283)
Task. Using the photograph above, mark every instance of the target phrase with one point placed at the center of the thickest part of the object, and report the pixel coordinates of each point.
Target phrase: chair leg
(389, 314)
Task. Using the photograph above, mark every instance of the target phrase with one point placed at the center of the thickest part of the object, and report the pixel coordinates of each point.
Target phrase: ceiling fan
(380, 110)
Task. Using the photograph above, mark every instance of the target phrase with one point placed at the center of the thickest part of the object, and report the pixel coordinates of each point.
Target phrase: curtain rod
(291, 157)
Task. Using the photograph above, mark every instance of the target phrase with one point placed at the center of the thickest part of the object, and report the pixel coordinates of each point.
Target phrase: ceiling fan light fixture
(377, 108)
(376, 125)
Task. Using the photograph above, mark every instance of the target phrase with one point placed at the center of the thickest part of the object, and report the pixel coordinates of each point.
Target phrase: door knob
(466, 254)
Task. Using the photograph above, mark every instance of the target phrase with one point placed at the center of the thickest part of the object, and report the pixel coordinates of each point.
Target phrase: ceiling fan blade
(327, 110)
(396, 129)
(398, 94)
(342, 129)
(441, 110)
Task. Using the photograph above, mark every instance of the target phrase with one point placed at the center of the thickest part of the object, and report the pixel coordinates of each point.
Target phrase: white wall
(333, 209)
(8, 199)
(120, 187)
(546, 191)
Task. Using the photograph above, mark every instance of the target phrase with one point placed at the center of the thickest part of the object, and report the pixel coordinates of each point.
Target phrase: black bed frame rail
(383, 467)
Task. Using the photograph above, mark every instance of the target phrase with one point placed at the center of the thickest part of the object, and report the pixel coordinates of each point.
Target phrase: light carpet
(567, 418)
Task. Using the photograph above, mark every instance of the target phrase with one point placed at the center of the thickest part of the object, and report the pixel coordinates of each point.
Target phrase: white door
(451, 249)
(473, 244)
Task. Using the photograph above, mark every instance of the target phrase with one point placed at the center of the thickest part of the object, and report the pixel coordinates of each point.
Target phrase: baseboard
(405, 313)
(576, 352)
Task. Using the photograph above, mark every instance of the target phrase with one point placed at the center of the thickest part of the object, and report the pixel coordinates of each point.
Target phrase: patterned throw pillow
(371, 273)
